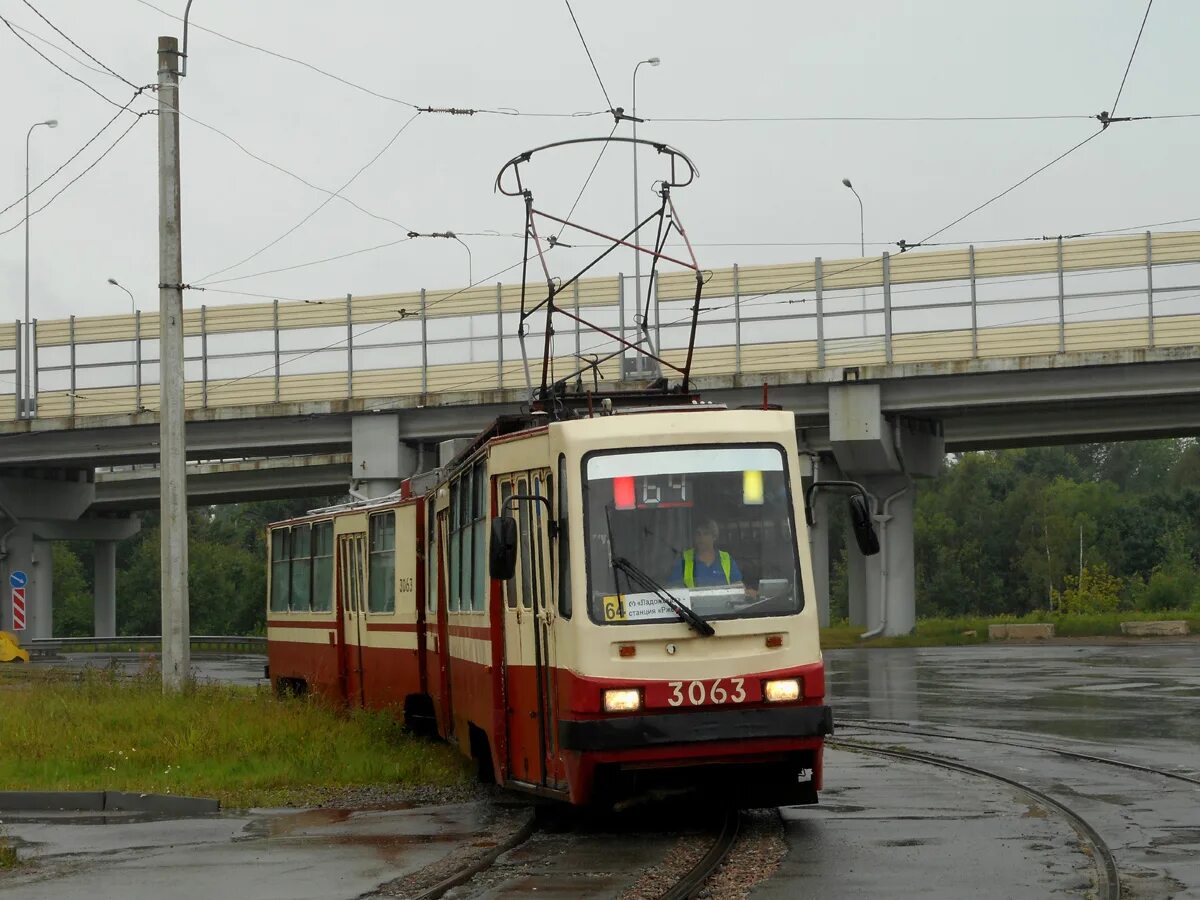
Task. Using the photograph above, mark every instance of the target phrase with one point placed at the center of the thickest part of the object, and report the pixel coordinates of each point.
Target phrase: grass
(243, 746)
(8, 853)
(974, 629)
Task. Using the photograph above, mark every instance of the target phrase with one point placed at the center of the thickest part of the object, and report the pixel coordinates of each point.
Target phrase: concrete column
(106, 589)
(818, 539)
(18, 550)
(40, 601)
(380, 460)
(890, 594)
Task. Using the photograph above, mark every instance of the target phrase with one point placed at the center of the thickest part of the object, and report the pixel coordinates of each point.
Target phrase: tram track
(1108, 879)
(686, 885)
(692, 882)
(999, 742)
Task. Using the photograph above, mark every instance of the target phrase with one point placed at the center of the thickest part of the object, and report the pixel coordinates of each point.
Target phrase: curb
(105, 801)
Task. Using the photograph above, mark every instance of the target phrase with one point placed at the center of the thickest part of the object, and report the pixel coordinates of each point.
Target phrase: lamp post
(132, 312)
(862, 249)
(28, 401)
(637, 233)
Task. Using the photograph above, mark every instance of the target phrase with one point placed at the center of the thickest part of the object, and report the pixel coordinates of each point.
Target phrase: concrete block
(160, 803)
(90, 801)
(1169, 628)
(1021, 631)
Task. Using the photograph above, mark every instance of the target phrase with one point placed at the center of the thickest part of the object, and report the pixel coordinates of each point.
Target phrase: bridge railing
(1051, 296)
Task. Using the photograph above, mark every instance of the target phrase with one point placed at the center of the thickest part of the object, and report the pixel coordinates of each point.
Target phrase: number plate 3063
(703, 692)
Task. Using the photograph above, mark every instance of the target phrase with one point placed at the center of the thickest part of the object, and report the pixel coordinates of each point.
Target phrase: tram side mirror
(502, 555)
(860, 522)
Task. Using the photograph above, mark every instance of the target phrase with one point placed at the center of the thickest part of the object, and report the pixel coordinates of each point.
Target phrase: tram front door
(529, 653)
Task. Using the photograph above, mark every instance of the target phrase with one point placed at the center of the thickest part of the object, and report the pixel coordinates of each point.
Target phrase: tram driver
(703, 565)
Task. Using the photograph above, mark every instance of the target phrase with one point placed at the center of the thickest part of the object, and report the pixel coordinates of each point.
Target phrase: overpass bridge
(887, 362)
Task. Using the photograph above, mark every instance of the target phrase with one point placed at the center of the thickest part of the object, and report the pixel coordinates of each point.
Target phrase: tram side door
(443, 625)
(520, 673)
(545, 609)
(528, 636)
(351, 581)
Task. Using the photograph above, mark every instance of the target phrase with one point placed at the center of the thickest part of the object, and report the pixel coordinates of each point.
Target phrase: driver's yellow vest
(689, 567)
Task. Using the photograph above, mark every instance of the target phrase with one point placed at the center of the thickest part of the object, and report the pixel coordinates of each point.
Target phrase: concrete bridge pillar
(884, 454)
(379, 460)
(105, 610)
(888, 599)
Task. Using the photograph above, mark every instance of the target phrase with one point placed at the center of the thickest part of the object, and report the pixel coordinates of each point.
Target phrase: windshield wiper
(646, 583)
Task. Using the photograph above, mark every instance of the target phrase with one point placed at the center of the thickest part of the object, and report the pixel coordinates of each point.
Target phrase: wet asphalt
(884, 828)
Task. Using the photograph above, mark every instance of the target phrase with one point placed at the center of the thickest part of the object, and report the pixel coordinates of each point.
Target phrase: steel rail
(465, 874)
(1060, 751)
(1108, 885)
(691, 884)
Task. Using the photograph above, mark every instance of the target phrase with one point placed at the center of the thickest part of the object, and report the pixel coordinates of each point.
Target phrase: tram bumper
(748, 757)
(633, 732)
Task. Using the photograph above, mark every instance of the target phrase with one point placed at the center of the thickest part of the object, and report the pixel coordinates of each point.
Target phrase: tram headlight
(782, 691)
(623, 700)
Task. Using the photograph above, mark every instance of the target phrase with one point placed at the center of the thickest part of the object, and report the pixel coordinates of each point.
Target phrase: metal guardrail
(142, 643)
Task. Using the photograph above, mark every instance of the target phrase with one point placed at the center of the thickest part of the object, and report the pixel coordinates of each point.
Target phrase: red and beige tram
(546, 603)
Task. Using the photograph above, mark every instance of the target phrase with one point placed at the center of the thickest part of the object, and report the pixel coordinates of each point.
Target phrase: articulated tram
(592, 608)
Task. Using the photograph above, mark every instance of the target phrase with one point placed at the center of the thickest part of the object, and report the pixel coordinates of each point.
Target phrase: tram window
(280, 570)
(381, 579)
(464, 542)
(322, 596)
(510, 587)
(539, 570)
(455, 546)
(301, 568)
(431, 555)
(526, 531)
(564, 547)
(479, 508)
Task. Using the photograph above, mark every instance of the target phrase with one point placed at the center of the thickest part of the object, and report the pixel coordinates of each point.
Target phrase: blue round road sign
(18, 579)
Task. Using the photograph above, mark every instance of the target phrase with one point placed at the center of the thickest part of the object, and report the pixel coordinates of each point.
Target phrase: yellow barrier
(10, 650)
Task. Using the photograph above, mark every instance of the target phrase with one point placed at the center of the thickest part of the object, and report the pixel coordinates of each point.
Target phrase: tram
(595, 607)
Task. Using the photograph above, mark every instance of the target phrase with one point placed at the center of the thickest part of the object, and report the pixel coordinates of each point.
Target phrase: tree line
(1087, 528)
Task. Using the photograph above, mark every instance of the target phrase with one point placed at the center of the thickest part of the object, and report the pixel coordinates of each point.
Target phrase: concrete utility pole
(176, 645)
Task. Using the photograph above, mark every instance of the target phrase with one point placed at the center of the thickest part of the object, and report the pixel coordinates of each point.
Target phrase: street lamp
(133, 312)
(132, 302)
(862, 249)
(637, 231)
(28, 400)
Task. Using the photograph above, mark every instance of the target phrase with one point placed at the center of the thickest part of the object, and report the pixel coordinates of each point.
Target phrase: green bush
(1091, 591)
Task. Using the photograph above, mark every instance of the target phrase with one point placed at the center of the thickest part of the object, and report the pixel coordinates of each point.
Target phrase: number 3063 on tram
(593, 609)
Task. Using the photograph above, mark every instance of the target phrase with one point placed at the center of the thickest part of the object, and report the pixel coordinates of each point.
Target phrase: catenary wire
(91, 166)
(208, 285)
(75, 78)
(588, 180)
(746, 119)
(499, 111)
(1117, 99)
(588, 51)
(67, 37)
(338, 193)
(65, 52)
(74, 155)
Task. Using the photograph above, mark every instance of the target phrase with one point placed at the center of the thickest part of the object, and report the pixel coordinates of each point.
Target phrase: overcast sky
(761, 182)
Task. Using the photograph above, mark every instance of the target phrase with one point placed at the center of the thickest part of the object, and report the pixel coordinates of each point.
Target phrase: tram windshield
(713, 526)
